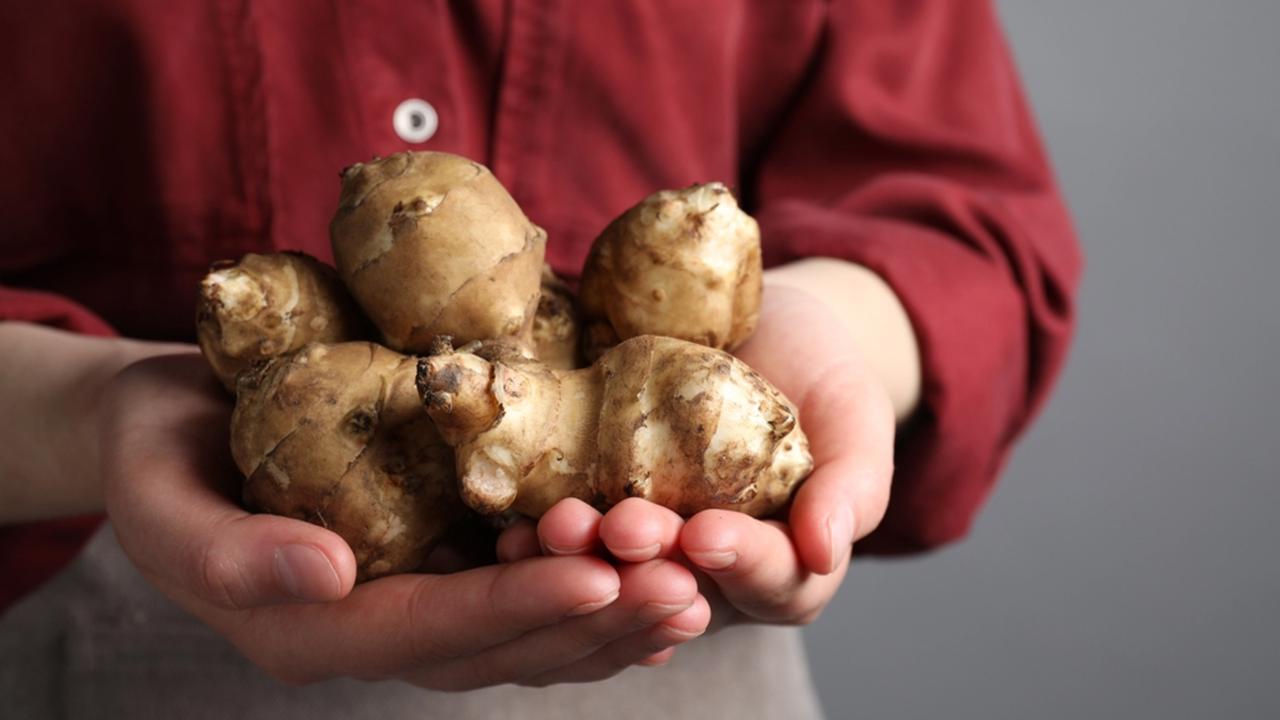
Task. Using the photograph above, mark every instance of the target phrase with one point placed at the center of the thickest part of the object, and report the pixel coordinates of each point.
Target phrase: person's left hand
(764, 570)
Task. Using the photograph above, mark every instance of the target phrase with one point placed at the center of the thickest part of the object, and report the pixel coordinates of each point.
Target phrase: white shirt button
(415, 121)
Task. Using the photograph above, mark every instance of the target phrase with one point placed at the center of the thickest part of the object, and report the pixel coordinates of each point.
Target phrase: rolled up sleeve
(911, 151)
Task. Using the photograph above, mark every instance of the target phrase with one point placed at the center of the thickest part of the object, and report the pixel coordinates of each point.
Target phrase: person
(918, 305)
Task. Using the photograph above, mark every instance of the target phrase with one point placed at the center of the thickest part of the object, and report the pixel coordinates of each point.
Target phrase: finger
(651, 593)
(255, 560)
(755, 566)
(570, 527)
(851, 432)
(163, 479)
(636, 530)
(518, 542)
(659, 659)
(389, 627)
(651, 646)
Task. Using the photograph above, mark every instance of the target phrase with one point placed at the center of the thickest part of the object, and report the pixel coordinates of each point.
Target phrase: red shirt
(143, 140)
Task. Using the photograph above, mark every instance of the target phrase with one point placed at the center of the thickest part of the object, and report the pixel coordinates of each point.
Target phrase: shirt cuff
(44, 308)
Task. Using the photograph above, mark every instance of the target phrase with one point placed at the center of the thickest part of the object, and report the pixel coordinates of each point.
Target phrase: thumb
(196, 545)
(253, 560)
(167, 483)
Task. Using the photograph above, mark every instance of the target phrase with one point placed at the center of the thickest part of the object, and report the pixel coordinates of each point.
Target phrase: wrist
(51, 387)
(79, 408)
(85, 404)
(872, 316)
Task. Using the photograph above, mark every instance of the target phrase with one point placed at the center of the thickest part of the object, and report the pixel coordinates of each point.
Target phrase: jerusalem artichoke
(670, 421)
(335, 435)
(389, 451)
(268, 305)
(681, 263)
(431, 244)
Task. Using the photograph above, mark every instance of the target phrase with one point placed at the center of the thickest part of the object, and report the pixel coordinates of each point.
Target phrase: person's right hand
(281, 590)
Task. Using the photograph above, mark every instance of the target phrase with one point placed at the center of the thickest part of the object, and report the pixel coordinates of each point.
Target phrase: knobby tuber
(268, 305)
(681, 263)
(683, 425)
(335, 435)
(431, 244)
(390, 451)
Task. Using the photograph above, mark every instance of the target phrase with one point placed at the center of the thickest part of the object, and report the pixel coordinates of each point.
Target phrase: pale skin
(139, 430)
(836, 340)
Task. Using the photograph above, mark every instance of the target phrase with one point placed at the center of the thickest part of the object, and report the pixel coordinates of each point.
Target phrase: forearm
(873, 316)
(50, 382)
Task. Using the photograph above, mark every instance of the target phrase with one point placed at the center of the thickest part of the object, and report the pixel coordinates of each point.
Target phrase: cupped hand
(770, 571)
(281, 590)
(787, 572)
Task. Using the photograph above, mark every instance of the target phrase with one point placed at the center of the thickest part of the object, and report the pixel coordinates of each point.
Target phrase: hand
(776, 572)
(281, 590)
(765, 570)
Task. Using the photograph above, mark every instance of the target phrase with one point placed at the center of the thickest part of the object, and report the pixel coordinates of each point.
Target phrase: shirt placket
(524, 112)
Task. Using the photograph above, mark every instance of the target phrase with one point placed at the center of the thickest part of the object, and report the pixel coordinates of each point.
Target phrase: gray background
(1127, 565)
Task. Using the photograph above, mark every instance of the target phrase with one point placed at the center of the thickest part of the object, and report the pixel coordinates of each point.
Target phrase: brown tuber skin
(269, 305)
(432, 244)
(335, 435)
(673, 422)
(681, 263)
(556, 340)
(431, 247)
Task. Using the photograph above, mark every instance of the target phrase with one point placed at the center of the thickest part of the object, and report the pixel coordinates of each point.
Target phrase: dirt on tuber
(677, 423)
(681, 263)
(391, 451)
(267, 305)
(431, 244)
(335, 435)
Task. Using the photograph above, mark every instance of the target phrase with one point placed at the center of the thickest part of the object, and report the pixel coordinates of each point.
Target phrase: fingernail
(653, 612)
(677, 635)
(839, 535)
(593, 606)
(548, 549)
(305, 573)
(713, 559)
(637, 554)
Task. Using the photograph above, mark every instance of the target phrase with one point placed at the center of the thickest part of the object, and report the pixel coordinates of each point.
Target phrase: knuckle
(219, 579)
(502, 614)
(595, 634)
(497, 586)
(424, 642)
